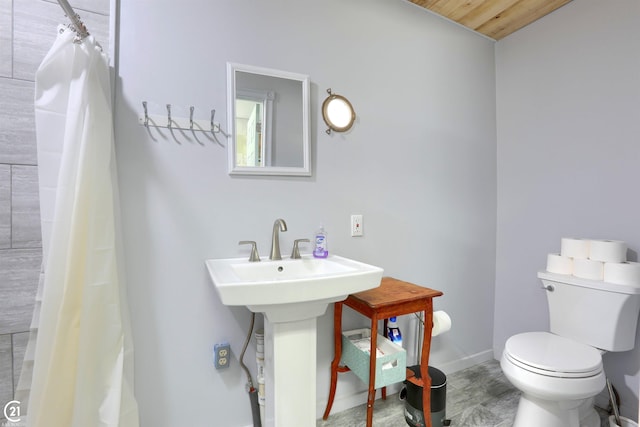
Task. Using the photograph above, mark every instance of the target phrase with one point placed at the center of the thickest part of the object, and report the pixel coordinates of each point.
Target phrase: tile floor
(479, 396)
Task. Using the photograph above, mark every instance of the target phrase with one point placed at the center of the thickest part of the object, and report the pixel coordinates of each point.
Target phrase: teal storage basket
(390, 366)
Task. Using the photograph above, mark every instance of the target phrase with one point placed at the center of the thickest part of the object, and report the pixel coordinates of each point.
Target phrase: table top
(392, 292)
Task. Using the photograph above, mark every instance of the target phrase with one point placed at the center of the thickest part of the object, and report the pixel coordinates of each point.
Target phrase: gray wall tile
(6, 34)
(98, 6)
(25, 208)
(17, 127)
(5, 206)
(20, 272)
(34, 31)
(19, 342)
(35, 24)
(6, 370)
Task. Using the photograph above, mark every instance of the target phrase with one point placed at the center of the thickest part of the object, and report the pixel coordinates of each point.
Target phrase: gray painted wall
(419, 164)
(568, 88)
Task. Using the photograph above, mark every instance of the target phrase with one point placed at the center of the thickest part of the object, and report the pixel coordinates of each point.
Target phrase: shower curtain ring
(146, 115)
(191, 117)
(169, 115)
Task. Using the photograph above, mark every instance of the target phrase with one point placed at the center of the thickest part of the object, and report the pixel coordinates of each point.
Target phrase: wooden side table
(392, 298)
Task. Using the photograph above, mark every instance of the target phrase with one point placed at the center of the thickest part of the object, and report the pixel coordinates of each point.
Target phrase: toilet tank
(601, 314)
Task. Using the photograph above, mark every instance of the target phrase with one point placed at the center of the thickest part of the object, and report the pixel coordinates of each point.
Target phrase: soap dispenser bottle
(393, 331)
(321, 249)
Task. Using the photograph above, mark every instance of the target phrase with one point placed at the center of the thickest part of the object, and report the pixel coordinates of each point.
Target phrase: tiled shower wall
(27, 31)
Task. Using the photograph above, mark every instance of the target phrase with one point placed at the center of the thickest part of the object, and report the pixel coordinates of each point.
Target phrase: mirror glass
(268, 114)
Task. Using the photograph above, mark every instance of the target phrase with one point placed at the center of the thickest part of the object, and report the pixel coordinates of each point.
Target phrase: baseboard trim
(465, 362)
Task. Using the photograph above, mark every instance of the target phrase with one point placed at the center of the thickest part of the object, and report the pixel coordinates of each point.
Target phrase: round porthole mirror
(337, 113)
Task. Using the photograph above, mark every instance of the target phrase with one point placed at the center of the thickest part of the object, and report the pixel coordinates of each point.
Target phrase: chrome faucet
(278, 225)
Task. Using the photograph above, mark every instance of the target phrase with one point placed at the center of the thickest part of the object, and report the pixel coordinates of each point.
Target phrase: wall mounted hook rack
(172, 122)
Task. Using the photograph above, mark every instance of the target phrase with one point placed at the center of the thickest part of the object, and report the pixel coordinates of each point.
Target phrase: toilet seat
(551, 355)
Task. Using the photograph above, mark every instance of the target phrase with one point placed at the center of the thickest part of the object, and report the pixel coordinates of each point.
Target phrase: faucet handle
(295, 254)
(254, 257)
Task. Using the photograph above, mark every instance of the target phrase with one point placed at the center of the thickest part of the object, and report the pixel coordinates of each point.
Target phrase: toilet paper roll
(441, 323)
(559, 264)
(574, 248)
(622, 273)
(608, 250)
(588, 269)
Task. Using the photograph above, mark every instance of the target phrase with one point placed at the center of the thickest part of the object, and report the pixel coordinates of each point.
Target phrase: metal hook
(191, 117)
(146, 115)
(213, 125)
(169, 115)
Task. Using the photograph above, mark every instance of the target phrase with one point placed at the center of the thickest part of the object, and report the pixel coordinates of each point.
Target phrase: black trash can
(413, 411)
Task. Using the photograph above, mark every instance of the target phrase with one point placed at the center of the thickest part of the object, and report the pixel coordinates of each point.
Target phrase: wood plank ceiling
(495, 19)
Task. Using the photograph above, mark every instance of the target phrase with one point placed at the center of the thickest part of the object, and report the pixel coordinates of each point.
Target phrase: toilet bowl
(558, 378)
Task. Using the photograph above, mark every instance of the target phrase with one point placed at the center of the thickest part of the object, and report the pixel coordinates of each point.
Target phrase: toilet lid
(553, 355)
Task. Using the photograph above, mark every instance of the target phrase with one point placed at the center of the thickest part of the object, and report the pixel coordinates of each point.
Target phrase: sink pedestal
(290, 361)
(291, 383)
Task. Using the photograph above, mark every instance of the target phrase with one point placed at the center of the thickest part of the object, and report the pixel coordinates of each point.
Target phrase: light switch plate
(356, 225)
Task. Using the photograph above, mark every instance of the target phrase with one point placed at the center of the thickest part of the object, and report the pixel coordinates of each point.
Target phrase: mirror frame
(305, 169)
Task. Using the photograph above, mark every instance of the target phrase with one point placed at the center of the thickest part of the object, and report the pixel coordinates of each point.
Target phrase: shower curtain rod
(80, 28)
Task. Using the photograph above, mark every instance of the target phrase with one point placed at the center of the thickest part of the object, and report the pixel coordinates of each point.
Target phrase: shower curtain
(83, 360)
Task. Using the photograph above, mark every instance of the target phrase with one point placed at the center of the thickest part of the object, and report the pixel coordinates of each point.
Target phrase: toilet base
(534, 412)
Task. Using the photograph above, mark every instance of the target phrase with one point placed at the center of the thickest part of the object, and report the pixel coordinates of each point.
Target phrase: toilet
(560, 372)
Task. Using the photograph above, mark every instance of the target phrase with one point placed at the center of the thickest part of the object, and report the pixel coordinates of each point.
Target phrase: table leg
(337, 345)
(371, 396)
(424, 362)
(385, 325)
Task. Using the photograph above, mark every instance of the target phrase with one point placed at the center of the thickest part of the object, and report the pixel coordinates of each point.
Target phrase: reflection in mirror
(337, 113)
(269, 120)
(253, 127)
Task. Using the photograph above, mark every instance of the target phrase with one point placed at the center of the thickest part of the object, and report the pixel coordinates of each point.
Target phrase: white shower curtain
(83, 364)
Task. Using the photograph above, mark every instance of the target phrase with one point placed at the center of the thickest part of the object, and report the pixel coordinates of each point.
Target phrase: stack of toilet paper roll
(595, 260)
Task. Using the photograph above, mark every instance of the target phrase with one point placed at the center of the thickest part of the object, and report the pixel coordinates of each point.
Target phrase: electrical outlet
(356, 225)
(221, 355)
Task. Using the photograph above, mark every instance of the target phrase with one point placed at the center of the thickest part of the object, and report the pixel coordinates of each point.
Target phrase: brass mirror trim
(327, 119)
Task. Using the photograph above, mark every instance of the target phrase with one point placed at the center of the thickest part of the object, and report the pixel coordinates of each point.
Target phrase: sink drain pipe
(253, 392)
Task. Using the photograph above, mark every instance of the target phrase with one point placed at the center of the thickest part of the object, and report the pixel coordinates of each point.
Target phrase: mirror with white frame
(268, 117)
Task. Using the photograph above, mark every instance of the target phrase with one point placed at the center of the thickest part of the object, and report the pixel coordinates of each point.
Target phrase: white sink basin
(290, 288)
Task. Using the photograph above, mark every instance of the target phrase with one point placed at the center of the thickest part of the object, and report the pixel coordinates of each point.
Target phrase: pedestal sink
(291, 293)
